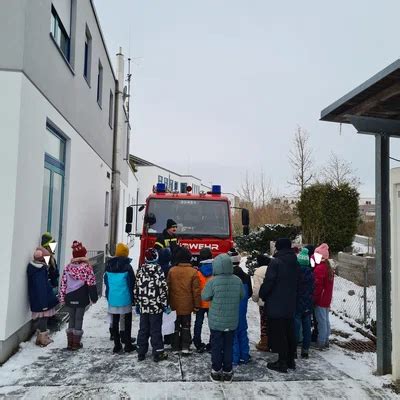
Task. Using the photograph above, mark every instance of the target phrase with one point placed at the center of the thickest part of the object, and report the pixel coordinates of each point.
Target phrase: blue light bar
(216, 189)
(160, 188)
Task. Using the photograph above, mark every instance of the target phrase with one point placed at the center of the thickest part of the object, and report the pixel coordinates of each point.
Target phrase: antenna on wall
(128, 94)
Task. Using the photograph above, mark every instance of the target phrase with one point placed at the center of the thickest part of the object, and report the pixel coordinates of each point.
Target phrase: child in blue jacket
(241, 348)
(119, 279)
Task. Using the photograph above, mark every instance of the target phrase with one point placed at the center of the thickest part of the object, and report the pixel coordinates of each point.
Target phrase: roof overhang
(377, 99)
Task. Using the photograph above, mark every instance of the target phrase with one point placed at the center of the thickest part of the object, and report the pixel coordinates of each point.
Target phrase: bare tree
(339, 171)
(300, 158)
(256, 192)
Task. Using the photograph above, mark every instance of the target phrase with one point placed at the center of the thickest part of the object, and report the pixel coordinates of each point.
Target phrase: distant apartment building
(366, 206)
(62, 109)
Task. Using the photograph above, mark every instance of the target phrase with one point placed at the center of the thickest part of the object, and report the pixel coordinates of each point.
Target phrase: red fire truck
(204, 219)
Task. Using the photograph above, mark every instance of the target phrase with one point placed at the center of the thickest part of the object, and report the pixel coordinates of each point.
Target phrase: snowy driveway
(94, 372)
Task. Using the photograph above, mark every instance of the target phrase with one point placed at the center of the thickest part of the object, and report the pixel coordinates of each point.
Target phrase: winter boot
(70, 336)
(50, 340)
(129, 347)
(304, 353)
(117, 342)
(123, 338)
(291, 363)
(262, 345)
(76, 339)
(200, 347)
(279, 366)
(160, 356)
(141, 357)
(227, 376)
(216, 376)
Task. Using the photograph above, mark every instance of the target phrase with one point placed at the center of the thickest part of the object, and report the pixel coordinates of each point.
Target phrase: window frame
(56, 29)
(111, 109)
(100, 84)
(87, 60)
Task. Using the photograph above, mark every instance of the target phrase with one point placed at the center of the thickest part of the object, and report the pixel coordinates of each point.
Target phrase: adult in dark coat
(279, 292)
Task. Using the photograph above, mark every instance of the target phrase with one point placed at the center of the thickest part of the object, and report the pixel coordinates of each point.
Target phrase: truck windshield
(194, 217)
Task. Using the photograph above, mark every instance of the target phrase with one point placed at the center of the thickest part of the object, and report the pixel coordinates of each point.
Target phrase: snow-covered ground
(94, 372)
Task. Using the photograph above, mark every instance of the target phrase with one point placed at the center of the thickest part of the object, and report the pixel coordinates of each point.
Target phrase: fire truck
(203, 219)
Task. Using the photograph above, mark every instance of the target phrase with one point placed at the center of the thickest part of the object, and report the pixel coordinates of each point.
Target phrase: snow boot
(129, 347)
(291, 363)
(262, 345)
(227, 376)
(216, 376)
(111, 333)
(70, 335)
(279, 366)
(117, 342)
(76, 339)
(304, 354)
(123, 338)
(160, 356)
(141, 357)
(200, 348)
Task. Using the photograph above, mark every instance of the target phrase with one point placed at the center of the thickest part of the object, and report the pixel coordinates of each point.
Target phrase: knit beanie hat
(39, 254)
(303, 258)
(171, 223)
(235, 256)
(183, 255)
(283, 243)
(151, 256)
(205, 254)
(46, 239)
(323, 249)
(122, 250)
(78, 250)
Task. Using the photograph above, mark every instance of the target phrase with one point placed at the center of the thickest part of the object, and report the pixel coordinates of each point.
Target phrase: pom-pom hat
(78, 250)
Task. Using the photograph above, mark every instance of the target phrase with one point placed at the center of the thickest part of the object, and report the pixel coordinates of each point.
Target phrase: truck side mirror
(246, 230)
(150, 219)
(245, 217)
(129, 215)
(128, 228)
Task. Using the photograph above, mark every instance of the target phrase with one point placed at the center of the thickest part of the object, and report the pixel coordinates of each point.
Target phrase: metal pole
(383, 278)
(365, 291)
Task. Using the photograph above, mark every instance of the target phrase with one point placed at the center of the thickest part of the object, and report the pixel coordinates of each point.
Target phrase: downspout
(116, 173)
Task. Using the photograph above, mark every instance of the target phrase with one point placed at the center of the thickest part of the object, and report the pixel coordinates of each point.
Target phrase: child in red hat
(78, 289)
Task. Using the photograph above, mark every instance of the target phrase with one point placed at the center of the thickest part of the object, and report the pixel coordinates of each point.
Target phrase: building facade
(58, 122)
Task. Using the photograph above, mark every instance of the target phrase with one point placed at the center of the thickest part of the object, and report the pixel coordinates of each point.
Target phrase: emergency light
(160, 188)
(216, 189)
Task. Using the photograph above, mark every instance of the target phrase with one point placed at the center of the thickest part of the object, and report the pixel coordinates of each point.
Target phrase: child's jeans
(198, 324)
(324, 327)
(303, 322)
(221, 350)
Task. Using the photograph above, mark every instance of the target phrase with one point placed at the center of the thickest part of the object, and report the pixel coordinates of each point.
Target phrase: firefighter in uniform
(167, 238)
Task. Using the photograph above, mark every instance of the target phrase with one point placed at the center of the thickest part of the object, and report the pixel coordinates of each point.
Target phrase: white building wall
(84, 192)
(10, 83)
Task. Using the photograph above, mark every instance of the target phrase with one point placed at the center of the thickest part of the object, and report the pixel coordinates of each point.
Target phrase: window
(176, 186)
(59, 32)
(53, 183)
(183, 187)
(106, 209)
(99, 84)
(88, 55)
(166, 182)
(160, 179)
(111, 109)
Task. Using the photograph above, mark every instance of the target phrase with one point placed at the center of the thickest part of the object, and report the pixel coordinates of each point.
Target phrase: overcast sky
(220, 86)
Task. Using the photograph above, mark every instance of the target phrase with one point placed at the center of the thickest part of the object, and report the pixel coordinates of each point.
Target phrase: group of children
(155, 291)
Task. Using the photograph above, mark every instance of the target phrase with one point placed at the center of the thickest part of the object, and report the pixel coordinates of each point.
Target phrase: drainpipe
(116, 173)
